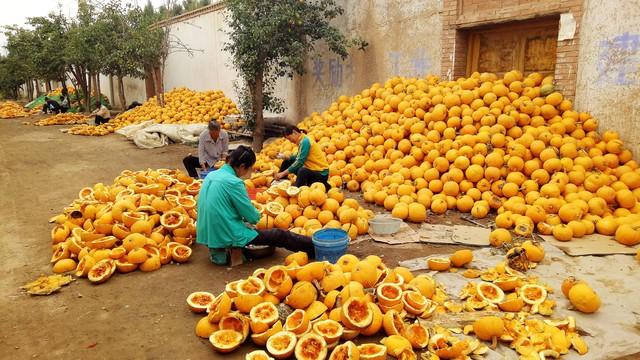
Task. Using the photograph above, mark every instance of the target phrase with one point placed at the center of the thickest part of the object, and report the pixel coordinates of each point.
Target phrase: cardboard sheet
(404, 235)
(614, 328)
(594, 244)
(471, 235)
(436, 234)
(454, 234)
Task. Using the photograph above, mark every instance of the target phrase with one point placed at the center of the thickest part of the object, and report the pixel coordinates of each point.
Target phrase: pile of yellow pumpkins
(58, 91)
(307, 209)
(143, 220)
(62, 119)
(182, 106)
(312, 310)
(510, 144)
(11, 109)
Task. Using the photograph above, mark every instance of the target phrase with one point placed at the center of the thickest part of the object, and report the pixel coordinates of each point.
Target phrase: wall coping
(192, 14)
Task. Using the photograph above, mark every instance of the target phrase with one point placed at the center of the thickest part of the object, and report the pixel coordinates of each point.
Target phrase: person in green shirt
(309, 164)
(225, 212)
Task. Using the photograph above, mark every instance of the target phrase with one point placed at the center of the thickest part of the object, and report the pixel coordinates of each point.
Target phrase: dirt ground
(133, 316)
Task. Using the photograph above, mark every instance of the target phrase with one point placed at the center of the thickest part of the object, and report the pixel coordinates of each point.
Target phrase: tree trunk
(161, 82)
(29, 90)
(111, 90)
(47, 86)
(98, 90)
(149, 85)
(80, 74)
(123, 99)
(38, 92)
(90, 90)
(258, 104)
(156, 86)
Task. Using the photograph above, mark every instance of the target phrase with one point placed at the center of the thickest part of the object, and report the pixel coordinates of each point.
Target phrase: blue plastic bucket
(203, 173)
(330, 244)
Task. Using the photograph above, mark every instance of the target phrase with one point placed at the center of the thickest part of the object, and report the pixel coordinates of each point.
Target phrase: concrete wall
(208, 66)
(404, 39)
(133, 89)
(608, 83)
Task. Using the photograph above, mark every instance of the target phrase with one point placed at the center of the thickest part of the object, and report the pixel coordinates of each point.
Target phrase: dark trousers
(191, 163)
(305, 176)
(285, 239)
(100, 120)
(52, 107)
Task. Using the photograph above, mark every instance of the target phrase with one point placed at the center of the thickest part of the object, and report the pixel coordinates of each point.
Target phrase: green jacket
(223, 208)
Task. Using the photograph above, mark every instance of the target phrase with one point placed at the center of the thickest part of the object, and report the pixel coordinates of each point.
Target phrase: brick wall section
(458, 15)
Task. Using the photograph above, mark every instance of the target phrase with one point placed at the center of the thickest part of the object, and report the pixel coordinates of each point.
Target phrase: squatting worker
(213, 146)
(51, 106)
(309, 164)
(224, 208)
(101, 113)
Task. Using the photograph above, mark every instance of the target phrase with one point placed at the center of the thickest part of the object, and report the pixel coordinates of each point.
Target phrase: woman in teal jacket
(224, 209)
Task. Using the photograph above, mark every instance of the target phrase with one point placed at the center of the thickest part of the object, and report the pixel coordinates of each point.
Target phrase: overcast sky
(16, 12)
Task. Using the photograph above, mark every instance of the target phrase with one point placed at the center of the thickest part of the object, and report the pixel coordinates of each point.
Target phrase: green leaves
(271, 39)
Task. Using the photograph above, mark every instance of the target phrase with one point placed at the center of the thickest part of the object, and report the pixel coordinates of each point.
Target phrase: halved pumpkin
(393, 323)
(372, 352)
(293, 191)
(490, 292)
(219, 307)
(251, 286)
(533, 294)
(273, 208)
(235, 321)
(302, 295)
(130, 217)
(439, 264)
(123, 266)
(507, 282)
(414, 302)
(511, 303)
(187, 202)
(356, 313)
(194, 187)
(297, 322)
(311, 347)
(330, 330)
(263, 316)
(418, 335)
(101, 271)
(282, 344)
(278, 282)
(446, 347)
(346, 351)
(105, 242)
(225, 341)
(258, 355)
(389, 294)
(199, 301)
(204, 328)
(84, 265)
(172, 220)
(181, 253)
(260, 339)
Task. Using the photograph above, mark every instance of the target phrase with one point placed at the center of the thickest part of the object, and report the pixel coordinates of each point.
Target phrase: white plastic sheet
(148, 135)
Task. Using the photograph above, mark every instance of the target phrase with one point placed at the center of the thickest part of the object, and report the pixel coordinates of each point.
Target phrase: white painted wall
(404, 39)
(608, 84)
(209, 66)
(134, 90)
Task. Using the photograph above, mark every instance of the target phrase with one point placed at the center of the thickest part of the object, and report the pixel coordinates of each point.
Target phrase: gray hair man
(213, 146)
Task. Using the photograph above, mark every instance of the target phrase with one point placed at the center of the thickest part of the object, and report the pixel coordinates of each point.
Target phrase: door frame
(473, 38)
